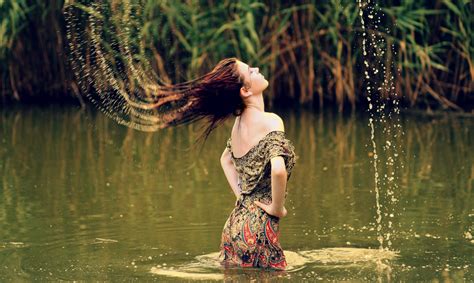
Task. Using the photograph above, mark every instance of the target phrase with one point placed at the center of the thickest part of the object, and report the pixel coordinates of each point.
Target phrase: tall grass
(310, 50)
(33, 61)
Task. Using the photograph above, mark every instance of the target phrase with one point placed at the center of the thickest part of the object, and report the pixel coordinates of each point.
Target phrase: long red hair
(214, 96)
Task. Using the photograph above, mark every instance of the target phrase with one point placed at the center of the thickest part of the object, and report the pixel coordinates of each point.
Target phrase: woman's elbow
(279, 171)
(225, 158)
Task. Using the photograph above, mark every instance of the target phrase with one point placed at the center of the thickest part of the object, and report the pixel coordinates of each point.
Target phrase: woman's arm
(230, 172)
(279, 179)
(279, 176)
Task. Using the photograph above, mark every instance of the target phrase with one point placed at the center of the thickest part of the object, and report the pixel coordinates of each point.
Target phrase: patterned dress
(250, 235)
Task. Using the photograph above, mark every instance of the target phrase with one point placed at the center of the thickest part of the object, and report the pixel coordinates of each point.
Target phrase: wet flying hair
(125, 86)
(214, 96)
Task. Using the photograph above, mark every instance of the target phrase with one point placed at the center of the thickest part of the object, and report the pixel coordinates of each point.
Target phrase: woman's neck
(255, 102)
(251, 113)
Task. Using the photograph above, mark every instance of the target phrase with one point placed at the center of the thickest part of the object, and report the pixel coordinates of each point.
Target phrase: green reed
(310, 50)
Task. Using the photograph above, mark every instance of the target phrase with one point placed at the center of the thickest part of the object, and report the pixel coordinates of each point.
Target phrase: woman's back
(248, 131)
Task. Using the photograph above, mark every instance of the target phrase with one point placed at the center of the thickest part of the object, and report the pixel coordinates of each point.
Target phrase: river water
(83, 198)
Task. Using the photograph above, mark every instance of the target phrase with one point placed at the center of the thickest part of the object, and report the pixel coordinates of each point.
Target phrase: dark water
(82, 198)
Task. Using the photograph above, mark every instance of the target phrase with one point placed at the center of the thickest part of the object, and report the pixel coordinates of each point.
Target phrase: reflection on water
(82, 198)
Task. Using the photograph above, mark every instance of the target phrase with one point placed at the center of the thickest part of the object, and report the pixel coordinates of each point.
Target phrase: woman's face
(254, 82)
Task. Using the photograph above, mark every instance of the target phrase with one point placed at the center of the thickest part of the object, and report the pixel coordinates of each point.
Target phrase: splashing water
(108, 58)
(208, 266)
(379, 88)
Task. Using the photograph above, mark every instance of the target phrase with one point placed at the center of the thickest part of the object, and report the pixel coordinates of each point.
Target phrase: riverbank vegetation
(311, 51)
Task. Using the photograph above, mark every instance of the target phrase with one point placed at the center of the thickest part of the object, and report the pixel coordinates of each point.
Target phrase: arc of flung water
(149, 84)
(140, 108)
(154, 121)
(142, 76)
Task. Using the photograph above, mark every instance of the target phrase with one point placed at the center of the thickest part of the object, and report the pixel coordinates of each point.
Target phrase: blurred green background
(310, 50)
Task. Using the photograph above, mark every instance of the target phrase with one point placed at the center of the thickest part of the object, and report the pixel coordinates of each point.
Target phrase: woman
(257, 163)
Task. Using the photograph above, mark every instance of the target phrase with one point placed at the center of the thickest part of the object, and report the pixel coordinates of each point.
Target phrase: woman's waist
(247, 199)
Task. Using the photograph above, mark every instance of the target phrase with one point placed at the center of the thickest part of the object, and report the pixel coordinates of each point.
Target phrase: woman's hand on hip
(272, 210)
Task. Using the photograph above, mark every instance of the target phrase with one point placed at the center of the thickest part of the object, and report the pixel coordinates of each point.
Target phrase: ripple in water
(208, 267)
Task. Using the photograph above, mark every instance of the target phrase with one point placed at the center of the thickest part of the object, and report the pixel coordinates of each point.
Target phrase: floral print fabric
(250, 235)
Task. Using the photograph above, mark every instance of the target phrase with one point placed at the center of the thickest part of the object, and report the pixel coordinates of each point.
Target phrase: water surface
(83, 198)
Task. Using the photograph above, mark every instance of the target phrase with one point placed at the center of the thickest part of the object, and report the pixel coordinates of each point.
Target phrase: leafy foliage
(310, 50)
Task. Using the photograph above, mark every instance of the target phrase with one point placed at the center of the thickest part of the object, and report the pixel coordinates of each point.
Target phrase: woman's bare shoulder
(273, 122)
(266, 123)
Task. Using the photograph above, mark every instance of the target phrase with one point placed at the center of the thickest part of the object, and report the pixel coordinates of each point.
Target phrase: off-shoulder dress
(250, 237)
